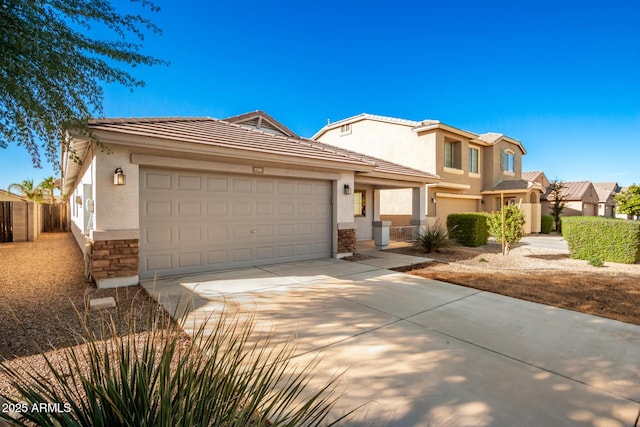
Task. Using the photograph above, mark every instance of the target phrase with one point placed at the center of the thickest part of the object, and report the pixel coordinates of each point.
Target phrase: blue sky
(561, 76)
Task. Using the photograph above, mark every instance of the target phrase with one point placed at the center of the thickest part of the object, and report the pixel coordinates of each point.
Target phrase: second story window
(507, 161)
(452, 154)
(345, 129)
(474, 155)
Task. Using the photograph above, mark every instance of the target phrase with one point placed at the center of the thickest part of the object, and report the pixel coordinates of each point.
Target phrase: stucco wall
(382, 140)
(117, 206)
(78, 200)
(492, 173)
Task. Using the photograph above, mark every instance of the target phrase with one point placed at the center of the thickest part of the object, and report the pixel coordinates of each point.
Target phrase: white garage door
(191, 222)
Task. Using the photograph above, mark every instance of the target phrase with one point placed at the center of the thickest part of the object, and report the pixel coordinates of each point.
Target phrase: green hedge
(607, 239)
(547, 224)
(468, 229)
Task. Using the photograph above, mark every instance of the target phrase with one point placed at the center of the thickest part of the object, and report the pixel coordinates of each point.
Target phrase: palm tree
(49, 185)
(27, 190)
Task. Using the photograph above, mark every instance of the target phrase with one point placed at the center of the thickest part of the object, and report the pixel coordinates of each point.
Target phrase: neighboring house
(478, 171)
(607, 192)
(537, 177)
(177, 196)
(19, 218)
(581, 197)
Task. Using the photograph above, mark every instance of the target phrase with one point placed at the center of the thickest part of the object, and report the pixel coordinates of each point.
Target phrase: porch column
(376, 204)
(418, 208)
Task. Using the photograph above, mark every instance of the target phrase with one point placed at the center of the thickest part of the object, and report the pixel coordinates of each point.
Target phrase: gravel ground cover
(42, 284)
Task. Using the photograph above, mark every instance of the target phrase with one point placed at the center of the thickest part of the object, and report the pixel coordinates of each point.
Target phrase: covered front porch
(522, 193)
(368, 205)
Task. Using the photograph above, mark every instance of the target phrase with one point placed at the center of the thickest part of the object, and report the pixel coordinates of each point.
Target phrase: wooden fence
(55, 218)
(6, 226)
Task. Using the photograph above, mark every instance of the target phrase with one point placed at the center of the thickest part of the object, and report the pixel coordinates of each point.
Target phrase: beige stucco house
(478, 171)
(607, 192)
(170, 196)
(581, 199)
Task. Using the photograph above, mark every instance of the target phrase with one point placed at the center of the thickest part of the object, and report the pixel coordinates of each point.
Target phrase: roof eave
(443, 126)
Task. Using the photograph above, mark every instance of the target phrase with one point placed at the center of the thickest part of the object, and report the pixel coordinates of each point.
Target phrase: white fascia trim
(448, 128)
(458, 196)
(452, 186)
(175, 146)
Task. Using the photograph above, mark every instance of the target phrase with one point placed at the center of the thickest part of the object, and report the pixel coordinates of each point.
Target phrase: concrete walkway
(424, 353)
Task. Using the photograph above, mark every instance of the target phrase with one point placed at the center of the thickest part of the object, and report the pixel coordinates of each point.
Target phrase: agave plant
(434, 237)
(219, 376)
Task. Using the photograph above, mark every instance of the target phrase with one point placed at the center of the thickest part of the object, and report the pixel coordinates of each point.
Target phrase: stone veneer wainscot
(347, 241)
(114, 259)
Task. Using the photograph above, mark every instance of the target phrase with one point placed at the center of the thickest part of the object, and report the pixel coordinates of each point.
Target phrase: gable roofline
(367, 116)
(485, 139)
(604, 195)
(426, 126)
(261, 116)
(207, 135)
(494, 138)
(573, 190)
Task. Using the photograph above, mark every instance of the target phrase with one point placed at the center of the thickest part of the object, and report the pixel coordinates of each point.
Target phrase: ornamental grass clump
(219, 376)
(434, 237)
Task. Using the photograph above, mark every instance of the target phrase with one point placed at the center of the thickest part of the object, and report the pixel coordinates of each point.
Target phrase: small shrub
(607, 239)
(547, 224)
(513, 226)
(468, 229)
(219, 376)
(596, 262)
(434, 237)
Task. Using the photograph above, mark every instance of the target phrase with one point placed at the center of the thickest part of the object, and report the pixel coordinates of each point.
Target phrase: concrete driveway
(550, 243)
(424, 353)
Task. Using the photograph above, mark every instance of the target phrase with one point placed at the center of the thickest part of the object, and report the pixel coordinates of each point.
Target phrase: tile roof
(490, 137)
(220, 133)
(572, 190)
(604, 195)
(515, 184)
(531, 176)
(611, 186)
(262, 121)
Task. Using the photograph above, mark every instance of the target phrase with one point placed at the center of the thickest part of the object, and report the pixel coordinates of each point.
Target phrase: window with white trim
(474, 158)
(345, 129)
(507, 161)
(452, 154)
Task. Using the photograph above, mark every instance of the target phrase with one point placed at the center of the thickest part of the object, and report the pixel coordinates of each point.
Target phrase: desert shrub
(468, 229)
(222, 375)
(513, 226)
(596, 262)
(607, 239)
(547, 224)
(434, 237)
